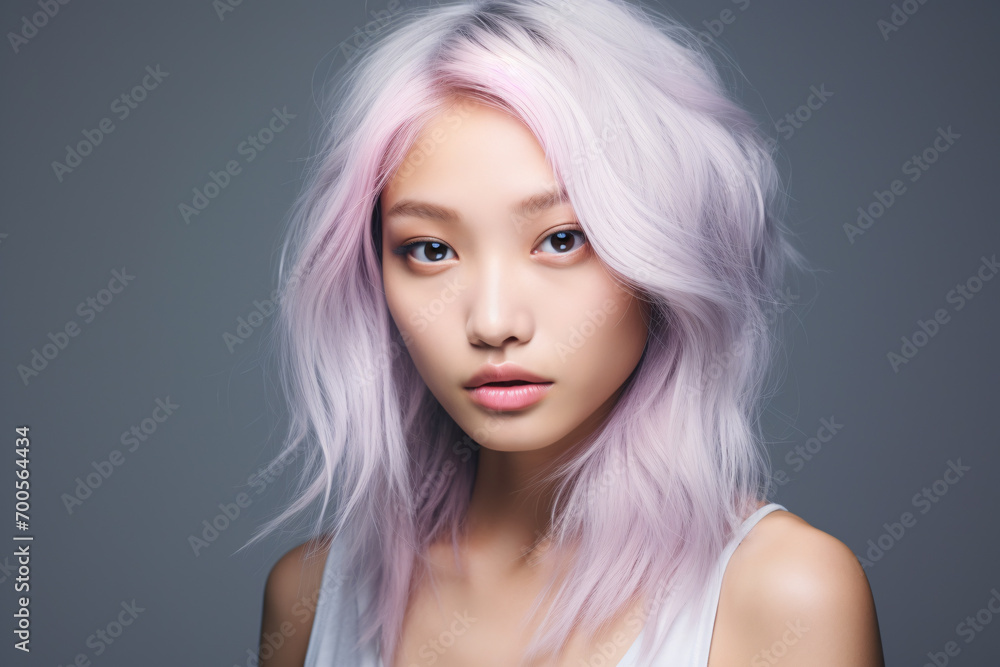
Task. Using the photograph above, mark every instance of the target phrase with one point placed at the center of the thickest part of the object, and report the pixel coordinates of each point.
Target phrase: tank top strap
(336, 622)
(747, 526)
(707, 621)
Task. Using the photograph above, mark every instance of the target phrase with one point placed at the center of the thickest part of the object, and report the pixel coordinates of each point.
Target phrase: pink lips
(513, 397)
(506, 387)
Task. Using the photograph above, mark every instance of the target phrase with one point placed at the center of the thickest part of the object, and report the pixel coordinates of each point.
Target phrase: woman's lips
(511, 397)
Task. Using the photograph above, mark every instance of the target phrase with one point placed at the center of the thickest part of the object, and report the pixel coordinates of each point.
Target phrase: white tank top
(335, 625)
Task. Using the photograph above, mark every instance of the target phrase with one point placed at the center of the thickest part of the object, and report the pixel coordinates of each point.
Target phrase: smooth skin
(485, 262)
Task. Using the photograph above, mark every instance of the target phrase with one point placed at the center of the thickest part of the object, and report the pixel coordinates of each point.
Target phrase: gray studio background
(878, 98)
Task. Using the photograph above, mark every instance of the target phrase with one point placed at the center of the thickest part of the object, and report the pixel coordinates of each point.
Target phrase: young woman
(526, 319)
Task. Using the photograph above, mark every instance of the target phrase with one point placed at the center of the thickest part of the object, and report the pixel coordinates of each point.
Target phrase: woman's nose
(499, 305)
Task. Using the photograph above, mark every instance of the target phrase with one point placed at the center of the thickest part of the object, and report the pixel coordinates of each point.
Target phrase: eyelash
(405, 248)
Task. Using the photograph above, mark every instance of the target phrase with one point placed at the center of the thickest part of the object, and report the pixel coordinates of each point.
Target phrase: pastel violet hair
(677, 190)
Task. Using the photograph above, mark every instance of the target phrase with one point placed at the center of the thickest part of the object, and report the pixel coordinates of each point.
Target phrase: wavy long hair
(677, 190)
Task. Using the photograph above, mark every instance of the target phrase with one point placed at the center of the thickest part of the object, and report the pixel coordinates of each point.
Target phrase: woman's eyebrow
(527, 207)
(540, 202)
(419, 209)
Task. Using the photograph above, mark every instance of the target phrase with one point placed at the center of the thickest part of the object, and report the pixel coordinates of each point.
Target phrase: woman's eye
(426, 252)
(430, 252)
(564, 241)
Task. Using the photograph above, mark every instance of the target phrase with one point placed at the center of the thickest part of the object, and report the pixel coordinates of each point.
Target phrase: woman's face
(485, 265)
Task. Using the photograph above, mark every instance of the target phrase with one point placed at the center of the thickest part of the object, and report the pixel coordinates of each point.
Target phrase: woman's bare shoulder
(290, 597)
(793, 591)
